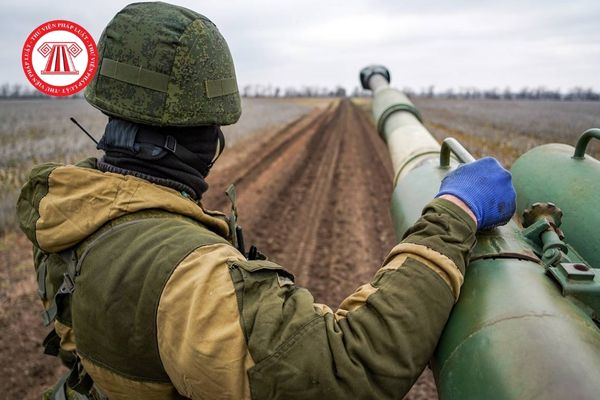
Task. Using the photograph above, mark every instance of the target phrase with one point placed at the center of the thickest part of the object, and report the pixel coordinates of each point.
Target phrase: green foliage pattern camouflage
(165, 65)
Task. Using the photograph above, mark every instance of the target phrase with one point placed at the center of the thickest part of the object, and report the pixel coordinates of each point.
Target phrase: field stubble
(506, 129)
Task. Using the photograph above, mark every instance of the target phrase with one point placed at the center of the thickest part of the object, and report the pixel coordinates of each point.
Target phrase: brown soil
(314, 196)
(25, 372)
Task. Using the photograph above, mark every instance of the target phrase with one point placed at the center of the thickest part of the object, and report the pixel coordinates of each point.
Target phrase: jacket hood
(61, 205)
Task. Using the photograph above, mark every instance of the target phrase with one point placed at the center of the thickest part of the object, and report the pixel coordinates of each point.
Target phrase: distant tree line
(17, 91)
(303, 91)
(534, 93)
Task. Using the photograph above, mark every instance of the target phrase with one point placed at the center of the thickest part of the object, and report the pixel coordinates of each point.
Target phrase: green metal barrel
(554, 172)
(514, 332)
(513, 336)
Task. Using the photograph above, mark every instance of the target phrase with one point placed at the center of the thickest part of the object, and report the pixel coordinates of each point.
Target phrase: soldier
(148, 296)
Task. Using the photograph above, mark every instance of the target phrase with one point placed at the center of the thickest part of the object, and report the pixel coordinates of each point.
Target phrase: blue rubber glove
(486, 188)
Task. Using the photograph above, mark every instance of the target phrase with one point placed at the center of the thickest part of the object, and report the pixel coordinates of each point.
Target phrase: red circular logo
(59, 58)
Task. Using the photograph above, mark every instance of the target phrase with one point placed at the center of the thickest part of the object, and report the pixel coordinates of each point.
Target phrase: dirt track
(315, 198)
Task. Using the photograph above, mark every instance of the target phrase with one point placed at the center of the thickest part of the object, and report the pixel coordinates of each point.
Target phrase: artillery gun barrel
(409, 142)
(526, 323)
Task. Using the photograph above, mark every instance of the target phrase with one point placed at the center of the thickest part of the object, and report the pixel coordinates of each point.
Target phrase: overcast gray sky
(449, 44)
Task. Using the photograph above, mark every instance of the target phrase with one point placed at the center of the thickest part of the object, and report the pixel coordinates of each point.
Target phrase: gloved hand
(486, 188)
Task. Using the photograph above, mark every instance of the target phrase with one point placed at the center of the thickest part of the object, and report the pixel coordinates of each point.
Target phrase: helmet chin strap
(219, 149)
(153, 143)
(169, 143)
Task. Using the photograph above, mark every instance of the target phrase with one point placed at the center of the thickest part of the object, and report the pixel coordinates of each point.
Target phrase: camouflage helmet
(164, 65)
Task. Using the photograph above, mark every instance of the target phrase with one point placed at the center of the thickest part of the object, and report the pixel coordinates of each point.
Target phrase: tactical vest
(83, 288)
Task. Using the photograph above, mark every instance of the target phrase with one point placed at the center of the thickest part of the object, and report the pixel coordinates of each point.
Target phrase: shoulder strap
(237, 237)
(65, 289)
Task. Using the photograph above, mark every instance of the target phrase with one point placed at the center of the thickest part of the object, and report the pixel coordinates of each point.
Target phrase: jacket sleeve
(381, 337)
(232, 328)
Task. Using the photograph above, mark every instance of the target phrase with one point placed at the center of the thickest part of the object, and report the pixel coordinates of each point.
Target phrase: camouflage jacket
(165, 307)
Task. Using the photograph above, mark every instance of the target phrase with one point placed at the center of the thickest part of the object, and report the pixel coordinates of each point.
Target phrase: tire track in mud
(316, 200)
(246, 170)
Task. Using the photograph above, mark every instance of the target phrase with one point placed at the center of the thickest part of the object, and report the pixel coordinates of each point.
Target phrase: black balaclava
(176, 157)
